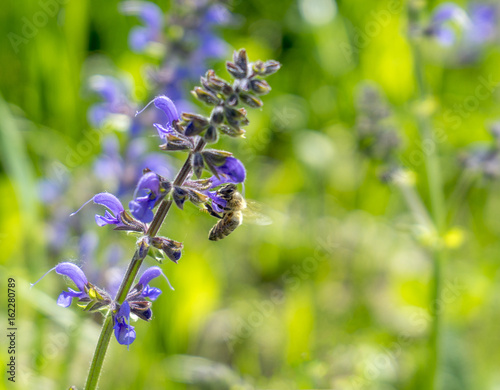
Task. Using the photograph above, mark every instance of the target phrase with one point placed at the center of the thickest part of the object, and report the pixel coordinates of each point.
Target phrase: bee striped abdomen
(229, 222)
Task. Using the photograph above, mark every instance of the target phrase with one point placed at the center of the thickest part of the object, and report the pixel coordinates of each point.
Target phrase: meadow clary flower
(145, 197)
(165, 104)
(152, 17)
(136, 304)
(112, 216)
(87, 292)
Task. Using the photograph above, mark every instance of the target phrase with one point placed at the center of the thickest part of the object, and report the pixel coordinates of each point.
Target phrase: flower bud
(260, 87)
(211, 136)
(250, 100)
(240, 58)
(232, 131)
(235, 70)
(205, 96)
(217, 115)
(266, 68)
(171, 248)
(198, 164)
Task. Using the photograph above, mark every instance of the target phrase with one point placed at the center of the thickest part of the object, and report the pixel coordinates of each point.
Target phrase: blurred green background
(335, 293)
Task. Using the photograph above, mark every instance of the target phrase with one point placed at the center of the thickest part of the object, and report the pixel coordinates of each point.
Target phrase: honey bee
(232, 216)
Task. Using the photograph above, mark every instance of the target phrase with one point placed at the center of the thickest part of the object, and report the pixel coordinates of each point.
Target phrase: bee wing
(254, 214)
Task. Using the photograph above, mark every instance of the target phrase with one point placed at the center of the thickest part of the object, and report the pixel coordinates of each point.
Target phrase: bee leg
(212, 212)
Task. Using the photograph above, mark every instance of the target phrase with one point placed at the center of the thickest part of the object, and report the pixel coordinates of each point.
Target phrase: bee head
(227, 191)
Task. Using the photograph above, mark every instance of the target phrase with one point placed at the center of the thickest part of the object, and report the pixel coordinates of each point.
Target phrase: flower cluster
(93, 299)
(467, 30)
(154, 193)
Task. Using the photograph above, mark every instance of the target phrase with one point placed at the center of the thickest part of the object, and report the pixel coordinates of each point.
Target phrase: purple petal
(218, 14)
(109, 201)
(163, 131)
(151, 292)
(445, 36)
(124, 332)
(142, 208)
(211, 46)
(139, 39)
(74, 273)
(108, 87)
(107, 219)
(168, 107)
(150, 14)
(218, 204)
(232, 171)
(446, 12)
(157, 163)
(66, 297)
(484, 22)
(150, 274)
(97, 114)
(149, 182)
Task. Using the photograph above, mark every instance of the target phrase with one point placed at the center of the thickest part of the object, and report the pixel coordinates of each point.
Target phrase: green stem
(132, 270)
(435, 185)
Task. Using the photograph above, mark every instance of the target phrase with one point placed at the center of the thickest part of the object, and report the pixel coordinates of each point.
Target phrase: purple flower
(484, 20)
(168, 107)
(73, 272)
(111, 202)
(124, 332)
(145, 197)
(136, 303)
(152, 17)
(218, 203)
(122, 173)
(232, 171)
(148, 275)
(115, 100)
(443, 22)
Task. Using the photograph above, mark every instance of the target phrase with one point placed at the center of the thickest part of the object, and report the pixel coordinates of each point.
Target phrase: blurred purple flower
(484, 22)
(115, 100)
(124, 173)
(152, 17)
(444, 21)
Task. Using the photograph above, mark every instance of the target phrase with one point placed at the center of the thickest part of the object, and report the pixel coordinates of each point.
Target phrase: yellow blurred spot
(454, 238)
